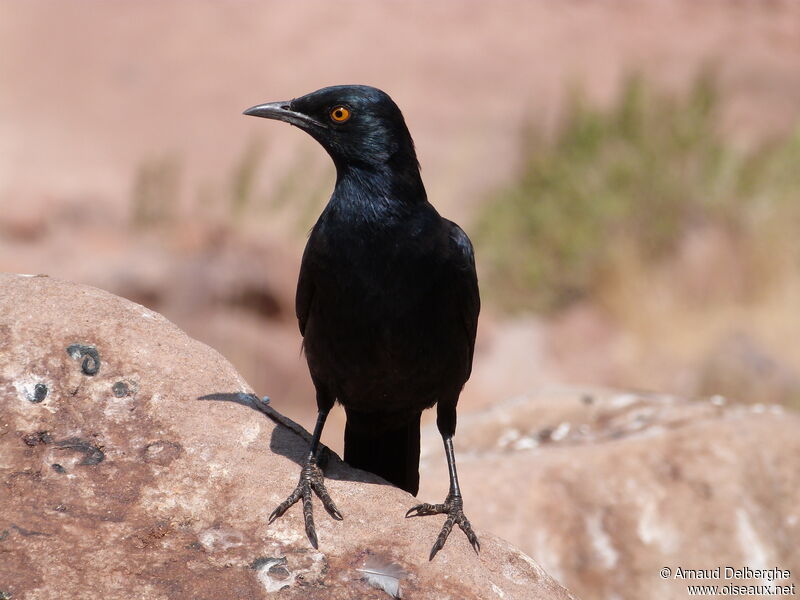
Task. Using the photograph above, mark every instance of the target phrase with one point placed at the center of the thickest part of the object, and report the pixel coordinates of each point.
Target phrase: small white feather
(385, 576)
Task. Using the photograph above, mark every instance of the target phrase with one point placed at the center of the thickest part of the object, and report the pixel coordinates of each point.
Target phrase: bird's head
(358, 125)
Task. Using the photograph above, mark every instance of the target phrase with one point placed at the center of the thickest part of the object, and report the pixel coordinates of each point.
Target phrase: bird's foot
(453, 507)
(311, 479)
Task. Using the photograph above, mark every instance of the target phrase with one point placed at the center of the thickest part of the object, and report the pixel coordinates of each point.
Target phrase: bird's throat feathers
(378, 192)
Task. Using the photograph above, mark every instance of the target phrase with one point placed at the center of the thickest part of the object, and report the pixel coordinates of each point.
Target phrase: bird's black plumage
(387, 297)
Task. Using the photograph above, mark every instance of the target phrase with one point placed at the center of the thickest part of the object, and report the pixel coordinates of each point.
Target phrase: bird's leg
(453, 506)
(311, 479)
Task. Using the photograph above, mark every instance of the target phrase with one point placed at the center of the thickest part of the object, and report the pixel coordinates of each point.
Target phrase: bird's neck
(391, 188)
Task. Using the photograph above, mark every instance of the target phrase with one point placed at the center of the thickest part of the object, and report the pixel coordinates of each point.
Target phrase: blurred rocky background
(628, 171)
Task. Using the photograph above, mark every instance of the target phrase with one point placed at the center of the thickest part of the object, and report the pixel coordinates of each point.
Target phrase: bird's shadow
(292, 441)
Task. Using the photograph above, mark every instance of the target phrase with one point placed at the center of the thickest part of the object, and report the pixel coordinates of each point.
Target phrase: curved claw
(425, 510)
(473, 539)
(443, 535)
(308, 516)
(276, 513)
(327, 501)
(311, 480)
(453, 507)
(286, 504)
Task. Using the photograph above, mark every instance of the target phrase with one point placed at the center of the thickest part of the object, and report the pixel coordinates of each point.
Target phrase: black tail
(391, 453)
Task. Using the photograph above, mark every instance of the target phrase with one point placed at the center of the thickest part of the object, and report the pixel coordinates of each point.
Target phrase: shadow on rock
(292, 441)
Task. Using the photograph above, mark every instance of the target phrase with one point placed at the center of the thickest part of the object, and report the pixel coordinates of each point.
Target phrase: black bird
(387, 300)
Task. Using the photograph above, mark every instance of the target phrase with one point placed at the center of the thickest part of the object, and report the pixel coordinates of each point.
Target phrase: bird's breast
(382, 329)
(377, 306)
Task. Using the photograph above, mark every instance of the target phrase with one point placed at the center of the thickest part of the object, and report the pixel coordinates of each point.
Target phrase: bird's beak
(281, 111)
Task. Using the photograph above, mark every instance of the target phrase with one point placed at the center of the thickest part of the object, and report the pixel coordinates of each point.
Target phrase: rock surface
(741, 368)
(132, 465)
(605, 489)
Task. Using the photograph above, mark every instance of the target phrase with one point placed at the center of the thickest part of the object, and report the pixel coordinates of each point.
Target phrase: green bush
(633, 178)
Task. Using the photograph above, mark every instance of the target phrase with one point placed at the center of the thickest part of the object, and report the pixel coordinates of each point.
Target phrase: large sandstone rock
(118, 480)
(605, 489)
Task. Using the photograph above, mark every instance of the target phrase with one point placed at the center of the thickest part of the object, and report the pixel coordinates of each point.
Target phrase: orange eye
(340, 114)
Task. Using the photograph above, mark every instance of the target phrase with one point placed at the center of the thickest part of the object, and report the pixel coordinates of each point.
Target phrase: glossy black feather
(387, 296)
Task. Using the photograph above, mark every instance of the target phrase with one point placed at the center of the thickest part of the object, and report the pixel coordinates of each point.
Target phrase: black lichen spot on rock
(3, 534)
(120, 389)
(275, 571)
(91, 358)
(280, 571)
(260, 562)
(161, 452)
(40, 437)
(277, 567)
(58, 468)
(92, 454)
(39, 393)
